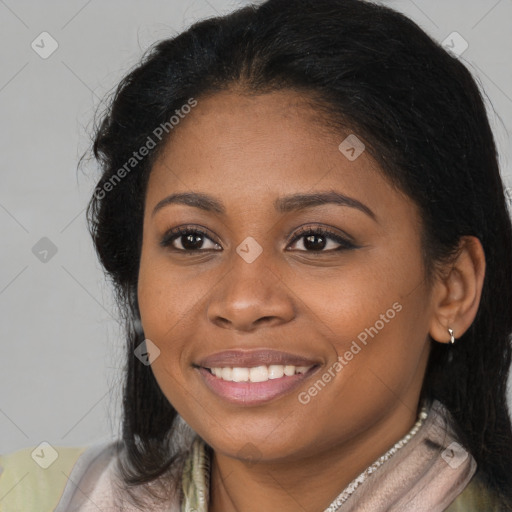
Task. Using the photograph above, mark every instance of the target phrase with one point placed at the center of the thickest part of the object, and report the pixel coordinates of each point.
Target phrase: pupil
(189, 243)
(310, 244)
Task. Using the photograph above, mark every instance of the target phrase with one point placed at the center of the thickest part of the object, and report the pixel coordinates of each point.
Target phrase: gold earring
(452, 338)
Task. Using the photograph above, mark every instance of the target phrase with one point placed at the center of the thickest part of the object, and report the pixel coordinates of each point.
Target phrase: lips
(254, 377)
(252, 358)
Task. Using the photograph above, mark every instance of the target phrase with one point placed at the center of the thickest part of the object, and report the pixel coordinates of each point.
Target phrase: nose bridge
(250, 291)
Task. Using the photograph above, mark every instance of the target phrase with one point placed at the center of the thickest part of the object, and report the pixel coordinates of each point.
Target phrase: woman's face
(262, 290)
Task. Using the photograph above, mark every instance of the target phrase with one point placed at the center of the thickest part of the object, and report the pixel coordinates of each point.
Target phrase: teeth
(225, 373)
(258, 373)
(275, 371)
(240, 375)
(289, 370)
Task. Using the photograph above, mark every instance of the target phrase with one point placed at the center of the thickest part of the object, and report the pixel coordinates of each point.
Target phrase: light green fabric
(26, 487)
(476, 497)
(195, 479)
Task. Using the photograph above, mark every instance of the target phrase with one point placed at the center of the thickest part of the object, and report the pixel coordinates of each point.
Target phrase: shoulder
(34, 479)
(477, 496)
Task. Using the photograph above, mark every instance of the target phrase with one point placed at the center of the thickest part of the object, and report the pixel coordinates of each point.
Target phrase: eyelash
(175, 233)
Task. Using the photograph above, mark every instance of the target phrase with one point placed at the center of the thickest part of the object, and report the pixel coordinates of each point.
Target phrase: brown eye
(317, 239)
(191, 239)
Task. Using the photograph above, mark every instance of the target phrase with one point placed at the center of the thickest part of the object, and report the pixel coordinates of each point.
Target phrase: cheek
(155, 301)
(374, 316)
(166, 301)
(165, 312)
(373, 291)
(170, 303)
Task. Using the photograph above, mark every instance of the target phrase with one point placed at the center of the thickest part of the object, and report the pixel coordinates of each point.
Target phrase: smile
(254, 377)
(257, 373)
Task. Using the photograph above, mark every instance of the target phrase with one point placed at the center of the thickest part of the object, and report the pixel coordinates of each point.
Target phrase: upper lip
(251, 358)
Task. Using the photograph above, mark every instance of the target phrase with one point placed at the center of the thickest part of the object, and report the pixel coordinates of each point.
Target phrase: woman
(301, 210)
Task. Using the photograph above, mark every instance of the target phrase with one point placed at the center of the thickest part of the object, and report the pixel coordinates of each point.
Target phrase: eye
(190, 239)
(318, 238)
(314, 240)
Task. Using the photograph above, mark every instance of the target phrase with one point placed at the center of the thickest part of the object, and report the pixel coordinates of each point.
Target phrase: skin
(247, 151)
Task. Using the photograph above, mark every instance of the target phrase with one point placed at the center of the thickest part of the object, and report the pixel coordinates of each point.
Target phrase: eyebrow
(282, 205)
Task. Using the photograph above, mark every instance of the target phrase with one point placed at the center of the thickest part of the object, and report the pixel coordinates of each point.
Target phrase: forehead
(241, 123)
(250, 147)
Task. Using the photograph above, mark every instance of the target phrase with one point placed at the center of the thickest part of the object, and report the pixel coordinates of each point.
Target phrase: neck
(310, 484)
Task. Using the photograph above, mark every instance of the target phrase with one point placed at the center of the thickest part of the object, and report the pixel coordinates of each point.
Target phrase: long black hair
(421, 115)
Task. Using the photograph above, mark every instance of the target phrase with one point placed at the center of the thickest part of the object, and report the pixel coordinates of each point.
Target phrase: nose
(249, 296)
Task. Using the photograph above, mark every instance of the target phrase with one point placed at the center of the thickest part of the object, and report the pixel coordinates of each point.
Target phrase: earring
(452, 338)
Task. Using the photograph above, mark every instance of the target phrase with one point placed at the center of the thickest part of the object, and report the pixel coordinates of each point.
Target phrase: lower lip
(254, 393)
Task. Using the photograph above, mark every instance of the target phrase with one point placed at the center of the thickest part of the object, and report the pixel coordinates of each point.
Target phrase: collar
(425, 475)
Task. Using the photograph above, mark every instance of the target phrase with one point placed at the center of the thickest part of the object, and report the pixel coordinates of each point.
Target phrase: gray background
(61, 345)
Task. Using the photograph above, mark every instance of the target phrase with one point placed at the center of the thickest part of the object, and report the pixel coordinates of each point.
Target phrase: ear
(456, 295)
